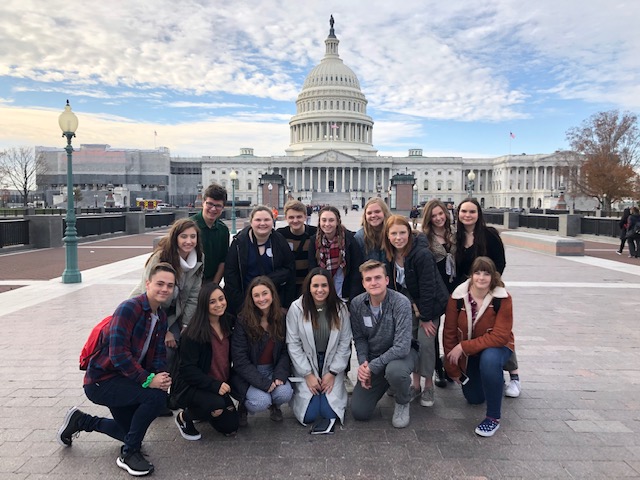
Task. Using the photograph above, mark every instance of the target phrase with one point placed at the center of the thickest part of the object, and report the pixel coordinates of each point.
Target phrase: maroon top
(267, 354)
(220, 365)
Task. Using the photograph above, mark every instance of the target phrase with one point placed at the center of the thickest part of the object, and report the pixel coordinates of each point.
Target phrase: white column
(342, 189)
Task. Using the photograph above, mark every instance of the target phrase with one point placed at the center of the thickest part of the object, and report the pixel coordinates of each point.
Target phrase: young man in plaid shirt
(127, 374)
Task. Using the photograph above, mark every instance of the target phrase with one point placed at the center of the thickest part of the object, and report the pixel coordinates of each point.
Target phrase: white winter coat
(304, 359)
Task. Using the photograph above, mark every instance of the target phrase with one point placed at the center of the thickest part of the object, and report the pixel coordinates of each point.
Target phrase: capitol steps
(336, 199)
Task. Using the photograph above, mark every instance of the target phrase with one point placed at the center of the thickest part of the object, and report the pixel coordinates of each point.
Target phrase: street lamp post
(471, 177)
(415, 194)
(69, 124)
(233, 177)
(604, 204)
(270, 188)
(95, 200)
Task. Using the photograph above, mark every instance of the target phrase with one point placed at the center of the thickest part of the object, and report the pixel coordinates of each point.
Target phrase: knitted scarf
(331, 253)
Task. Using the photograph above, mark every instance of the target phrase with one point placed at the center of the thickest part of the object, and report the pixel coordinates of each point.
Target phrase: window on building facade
(426, 185)
(439, 186)
(249, 185)
(449, 185)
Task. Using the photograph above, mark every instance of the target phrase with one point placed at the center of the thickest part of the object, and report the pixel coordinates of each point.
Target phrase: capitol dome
(331, 110)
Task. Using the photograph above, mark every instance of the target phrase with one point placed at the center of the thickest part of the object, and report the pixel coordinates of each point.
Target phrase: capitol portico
(331, 158)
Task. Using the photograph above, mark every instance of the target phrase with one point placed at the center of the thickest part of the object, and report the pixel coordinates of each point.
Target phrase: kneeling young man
(128, 375)
(381, 325)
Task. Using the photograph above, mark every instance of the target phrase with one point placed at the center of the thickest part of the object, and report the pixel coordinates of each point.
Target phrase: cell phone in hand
(463, 379)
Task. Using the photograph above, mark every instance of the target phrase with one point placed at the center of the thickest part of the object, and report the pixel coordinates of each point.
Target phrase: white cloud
(475, 61)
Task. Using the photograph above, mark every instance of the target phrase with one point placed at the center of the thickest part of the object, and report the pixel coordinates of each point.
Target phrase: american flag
(334, 126)
(512, 135)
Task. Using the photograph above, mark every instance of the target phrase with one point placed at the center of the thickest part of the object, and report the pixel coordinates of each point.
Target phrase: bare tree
(605, 150)
(19, 168)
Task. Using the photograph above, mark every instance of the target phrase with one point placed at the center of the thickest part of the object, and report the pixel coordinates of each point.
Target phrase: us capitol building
(331, 158)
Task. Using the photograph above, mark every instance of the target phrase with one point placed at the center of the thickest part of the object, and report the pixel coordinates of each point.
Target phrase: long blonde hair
(374, 237)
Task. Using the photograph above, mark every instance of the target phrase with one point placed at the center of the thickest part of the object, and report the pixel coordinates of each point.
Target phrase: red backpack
(94, 343)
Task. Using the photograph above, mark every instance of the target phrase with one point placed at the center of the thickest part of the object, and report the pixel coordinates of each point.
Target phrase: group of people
(281, 328)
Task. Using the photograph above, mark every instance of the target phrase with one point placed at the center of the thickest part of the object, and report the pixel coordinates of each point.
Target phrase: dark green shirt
(215, 244)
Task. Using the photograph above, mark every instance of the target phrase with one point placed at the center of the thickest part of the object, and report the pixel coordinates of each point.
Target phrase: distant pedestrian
(413, 215)
(623, 224)
(346, 209)
(632, 236)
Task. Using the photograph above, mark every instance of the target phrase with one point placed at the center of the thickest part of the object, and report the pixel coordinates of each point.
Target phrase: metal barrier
(14, 232)
(12, 212)
(98, 224)
(493, 217)
(608, 227)
(154, 220)
(541, 222)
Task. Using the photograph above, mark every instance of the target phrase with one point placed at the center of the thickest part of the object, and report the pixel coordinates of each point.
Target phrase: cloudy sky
(212, 76)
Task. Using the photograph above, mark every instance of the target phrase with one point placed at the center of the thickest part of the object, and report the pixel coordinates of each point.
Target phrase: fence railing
(98, 224)
(14, 232)
(494, 217)
(541, 222)
(608, 227)
(154, 220)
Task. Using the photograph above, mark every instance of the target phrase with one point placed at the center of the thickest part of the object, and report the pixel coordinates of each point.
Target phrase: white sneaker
(401, 415)
(512, 389)
(348, 385)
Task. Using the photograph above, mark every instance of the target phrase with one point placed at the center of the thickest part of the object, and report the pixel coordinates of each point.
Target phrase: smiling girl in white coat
(319, 344)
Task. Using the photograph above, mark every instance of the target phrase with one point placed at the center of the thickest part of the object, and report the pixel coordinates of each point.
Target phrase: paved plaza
(578, 343)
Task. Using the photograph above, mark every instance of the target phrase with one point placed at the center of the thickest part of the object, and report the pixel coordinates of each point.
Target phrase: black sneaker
(242, 416)
(69, 428)
(134, 463)
(187, 429)
(276, 413)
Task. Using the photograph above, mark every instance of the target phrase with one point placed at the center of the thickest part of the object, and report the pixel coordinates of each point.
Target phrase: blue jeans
(133, 409)
(319, 405)
(258, 400)
(485, 379)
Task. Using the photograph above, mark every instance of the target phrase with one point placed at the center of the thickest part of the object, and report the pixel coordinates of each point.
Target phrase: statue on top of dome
(331, 22)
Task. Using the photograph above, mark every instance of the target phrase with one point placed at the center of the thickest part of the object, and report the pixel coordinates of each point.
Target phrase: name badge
(368, 322)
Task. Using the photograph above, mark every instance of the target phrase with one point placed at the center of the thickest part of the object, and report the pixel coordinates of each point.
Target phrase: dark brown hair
(333, 303)
(199, 328)
(252, 316)
(167, 248)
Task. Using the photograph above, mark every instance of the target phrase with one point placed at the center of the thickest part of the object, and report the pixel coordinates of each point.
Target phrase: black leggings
(204, 403)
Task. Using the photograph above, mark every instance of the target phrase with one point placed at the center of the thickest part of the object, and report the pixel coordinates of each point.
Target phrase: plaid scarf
(331, 253)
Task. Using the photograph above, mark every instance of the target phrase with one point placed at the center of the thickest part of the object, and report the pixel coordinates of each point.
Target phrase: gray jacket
(387, 339)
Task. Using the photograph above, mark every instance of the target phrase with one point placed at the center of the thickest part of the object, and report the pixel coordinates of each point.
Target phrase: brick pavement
(578, 415)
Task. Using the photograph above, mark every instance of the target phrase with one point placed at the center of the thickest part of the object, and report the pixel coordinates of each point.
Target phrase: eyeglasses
(216, 206)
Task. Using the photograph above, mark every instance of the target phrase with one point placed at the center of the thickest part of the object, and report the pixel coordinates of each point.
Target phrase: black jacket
(193, 372)
(354, 258)
(495, 251)
(283, 274)
(245, 357)
(423, 280)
